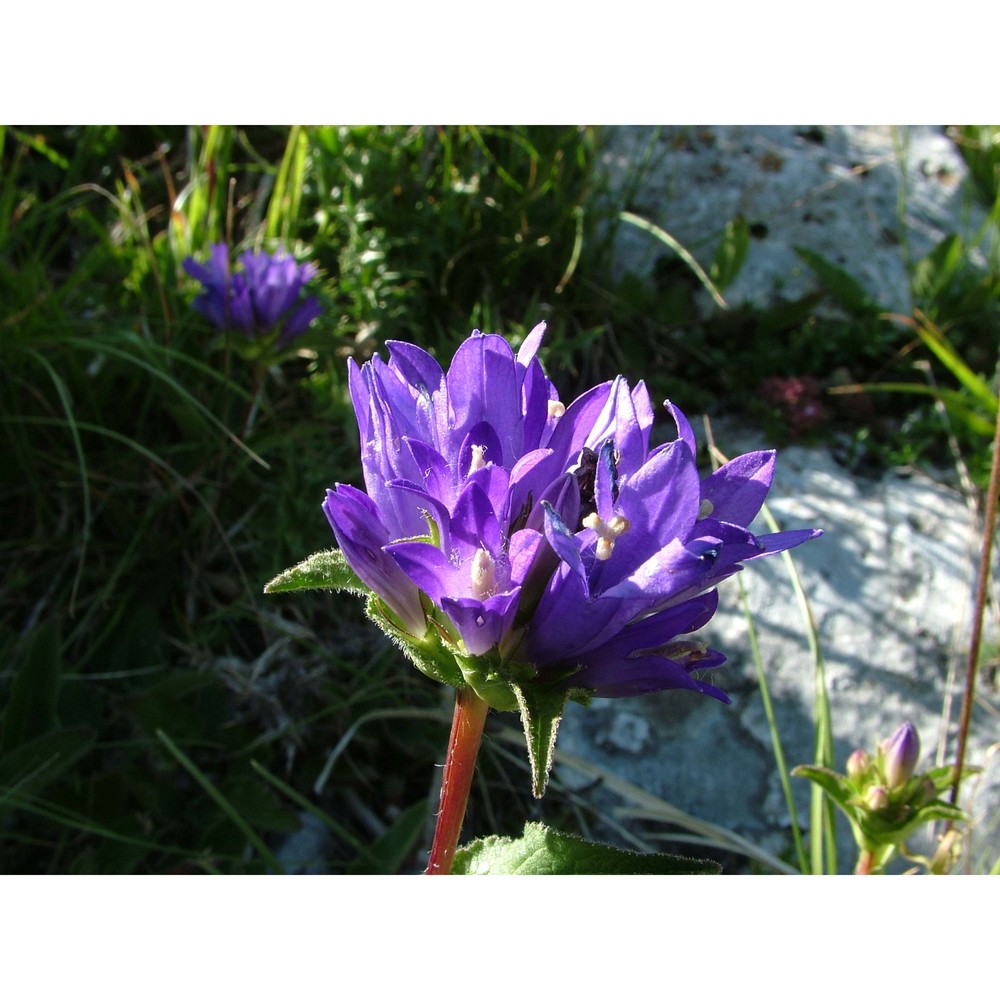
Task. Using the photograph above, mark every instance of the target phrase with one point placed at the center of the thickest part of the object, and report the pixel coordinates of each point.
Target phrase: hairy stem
(463, 747)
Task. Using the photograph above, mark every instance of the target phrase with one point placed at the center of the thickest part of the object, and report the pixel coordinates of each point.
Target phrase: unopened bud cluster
(884, 796)
(883, 783)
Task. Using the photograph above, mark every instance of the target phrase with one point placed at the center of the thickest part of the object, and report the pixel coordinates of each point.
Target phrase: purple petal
(416, 366)
(618, 422)
(429, 569)
(661, 504)
(609, 677)
(529, 346)
(482, 624)
(435, 477)
(684, 431)
(357, 381)
(361, 537)
(484, 436)
(482, 385)
(474, 523)
(644, 413)
(739, 488)
(563, 541)
(672, 571)
(494, 481)
(537, 392)
(575, 425)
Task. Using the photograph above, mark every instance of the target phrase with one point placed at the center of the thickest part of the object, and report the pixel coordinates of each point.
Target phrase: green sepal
(321, 571)
(489, 678)
(541, 711)
(894, 827)
(541, 851)
(431, 655)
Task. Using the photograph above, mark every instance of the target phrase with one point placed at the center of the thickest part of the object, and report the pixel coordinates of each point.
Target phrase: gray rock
(863, 197)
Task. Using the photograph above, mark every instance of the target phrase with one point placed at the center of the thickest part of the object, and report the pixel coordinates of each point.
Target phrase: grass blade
(220, 800)
(779, 755)
(664, 237)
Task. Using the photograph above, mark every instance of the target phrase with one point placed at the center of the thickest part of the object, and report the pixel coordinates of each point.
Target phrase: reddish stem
(463, 747)
(866, 863)
(972, 666)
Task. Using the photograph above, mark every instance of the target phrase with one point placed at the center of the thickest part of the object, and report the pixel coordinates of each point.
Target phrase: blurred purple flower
(257, 298)
(549, 539)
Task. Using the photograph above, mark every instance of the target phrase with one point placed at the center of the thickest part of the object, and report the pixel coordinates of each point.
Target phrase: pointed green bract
(541, 711)
(321, 571)
(541, 851)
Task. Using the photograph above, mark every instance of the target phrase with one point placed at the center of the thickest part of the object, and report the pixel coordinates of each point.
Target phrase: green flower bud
(876, 798)
(857, 765)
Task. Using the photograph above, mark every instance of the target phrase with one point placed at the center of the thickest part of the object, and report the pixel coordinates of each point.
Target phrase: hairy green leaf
(541, 851)
(321, 571)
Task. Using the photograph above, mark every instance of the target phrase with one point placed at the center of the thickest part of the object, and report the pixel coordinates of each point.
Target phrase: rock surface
(863, 197)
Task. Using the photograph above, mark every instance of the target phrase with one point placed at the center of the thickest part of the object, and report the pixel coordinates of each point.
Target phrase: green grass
(158, 712)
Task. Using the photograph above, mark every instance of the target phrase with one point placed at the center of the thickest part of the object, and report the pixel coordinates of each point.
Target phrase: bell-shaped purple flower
(549, 541)
(266, 292)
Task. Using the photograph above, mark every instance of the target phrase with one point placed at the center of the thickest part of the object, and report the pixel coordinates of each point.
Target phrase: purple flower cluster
(550, 540)
(257, 298)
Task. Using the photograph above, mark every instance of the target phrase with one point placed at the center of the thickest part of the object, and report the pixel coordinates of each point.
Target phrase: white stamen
(478, 458)
(607, 532)
(705, 509)
(556, 409)
(484, 574)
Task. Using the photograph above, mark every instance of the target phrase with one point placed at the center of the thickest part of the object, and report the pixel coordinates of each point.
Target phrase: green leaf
(953, 401)
(541, 712)
(37, 763)
(541, 851)
(225, 806)
(31, 708)
(950, 358)
(933, 274)
(732, 252)
(387, 855)
(321, 571)
(832, 783)
(844, 288)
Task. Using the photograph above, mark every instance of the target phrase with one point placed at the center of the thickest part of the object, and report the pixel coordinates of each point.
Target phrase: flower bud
(876, 798)
(857, 765)
(900, 751)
